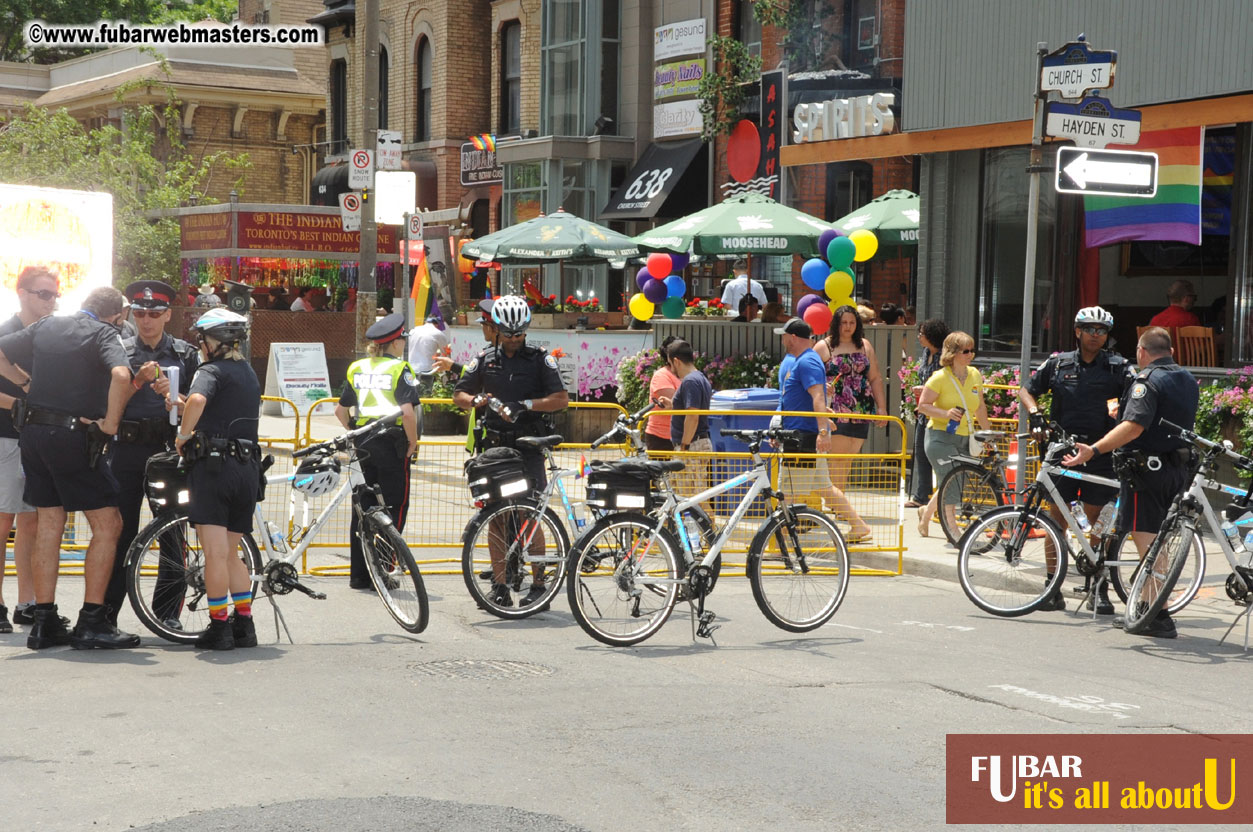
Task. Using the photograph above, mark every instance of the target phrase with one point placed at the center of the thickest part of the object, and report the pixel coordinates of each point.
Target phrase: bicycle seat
(538, 442)
(652, 468)
(989, 435)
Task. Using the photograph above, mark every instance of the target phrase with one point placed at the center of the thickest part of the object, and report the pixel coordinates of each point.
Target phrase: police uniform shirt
(69, 359)
(169, 352)
(1080, 391)
(7, 387)
(402, 386)
(234, 399)
(530, 374)
(1162, 390)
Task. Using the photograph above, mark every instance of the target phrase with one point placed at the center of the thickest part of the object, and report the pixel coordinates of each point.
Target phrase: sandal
(924, 525)
(864, 537)
(913, 504)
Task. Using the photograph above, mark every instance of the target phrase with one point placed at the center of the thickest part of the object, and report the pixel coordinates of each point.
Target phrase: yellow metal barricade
(294, 439)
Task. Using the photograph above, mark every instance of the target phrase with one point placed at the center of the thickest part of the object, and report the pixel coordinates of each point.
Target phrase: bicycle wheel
(1010, 564)
(799, 573)
(165, 577)
(1190, 579)
(624, 579)
(520, 539)
(394, 572)
(1158, 572)
(966, 493)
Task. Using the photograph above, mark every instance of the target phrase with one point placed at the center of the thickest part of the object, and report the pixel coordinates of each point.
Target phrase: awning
(651, 180)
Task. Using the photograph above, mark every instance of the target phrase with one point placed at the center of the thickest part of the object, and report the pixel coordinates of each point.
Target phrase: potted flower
(445, 418)
(545, 312)
(589, 308)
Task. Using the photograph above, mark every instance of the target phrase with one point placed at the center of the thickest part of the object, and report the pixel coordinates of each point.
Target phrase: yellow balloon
(641, 307)
(867, 244)
(839, 284)
(837, 302)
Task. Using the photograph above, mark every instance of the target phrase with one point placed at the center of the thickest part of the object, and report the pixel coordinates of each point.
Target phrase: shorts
(1089, 493)
(942, 447)
(854, 429)
(694, 478)
(12, 478)
(1144, 509)
(55, 461)
(225, 497)
(804, 476)
(653, 442)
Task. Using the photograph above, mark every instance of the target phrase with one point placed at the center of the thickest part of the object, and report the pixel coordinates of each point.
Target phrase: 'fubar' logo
(1095, 778)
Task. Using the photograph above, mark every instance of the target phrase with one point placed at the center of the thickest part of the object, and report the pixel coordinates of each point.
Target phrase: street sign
(1076, 68)
(1106, 172)
(350, 210)
(361, 169)
(1093, 122)
(415, 226)
(389, 150)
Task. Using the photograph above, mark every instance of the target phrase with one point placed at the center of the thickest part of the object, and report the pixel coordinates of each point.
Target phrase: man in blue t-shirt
(690, 432)
(803, 388)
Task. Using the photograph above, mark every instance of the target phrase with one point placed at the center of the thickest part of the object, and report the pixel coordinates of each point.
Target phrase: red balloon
(659, 265)
(818, 316)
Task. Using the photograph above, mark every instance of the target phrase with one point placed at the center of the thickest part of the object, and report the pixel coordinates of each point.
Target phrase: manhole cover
(482, 669)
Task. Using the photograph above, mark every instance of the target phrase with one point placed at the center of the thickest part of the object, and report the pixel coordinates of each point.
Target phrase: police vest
(374, 381)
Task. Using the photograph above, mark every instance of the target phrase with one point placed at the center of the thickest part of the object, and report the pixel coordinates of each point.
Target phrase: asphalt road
(491, 725)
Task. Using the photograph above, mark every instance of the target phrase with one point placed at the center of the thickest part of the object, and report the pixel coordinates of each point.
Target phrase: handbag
(976, 447)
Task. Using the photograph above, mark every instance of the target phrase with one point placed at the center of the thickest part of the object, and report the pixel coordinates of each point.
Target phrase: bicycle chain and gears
(1238, 587)
(700, 581)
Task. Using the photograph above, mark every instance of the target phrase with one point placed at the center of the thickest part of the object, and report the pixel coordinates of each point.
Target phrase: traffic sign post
(1106, 172)
(1093, 122)
(350, 210)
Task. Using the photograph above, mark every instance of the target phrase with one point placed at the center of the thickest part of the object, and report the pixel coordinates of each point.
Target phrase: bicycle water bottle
(1104, 521)
(276, 538)
(579, 519)
(1076, 510)
(953, 423)
(694, 534)
(1233, 536)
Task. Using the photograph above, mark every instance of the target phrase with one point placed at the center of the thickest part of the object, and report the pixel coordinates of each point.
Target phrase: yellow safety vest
(374, 381)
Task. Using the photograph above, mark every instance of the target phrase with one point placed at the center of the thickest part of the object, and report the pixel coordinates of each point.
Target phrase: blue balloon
(678, 262)
(642, 277)
(675, 286)
(814, 273)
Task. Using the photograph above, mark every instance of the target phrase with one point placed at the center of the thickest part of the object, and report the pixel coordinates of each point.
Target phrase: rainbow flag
(1173, 214)
(423, 297)
(484, 141)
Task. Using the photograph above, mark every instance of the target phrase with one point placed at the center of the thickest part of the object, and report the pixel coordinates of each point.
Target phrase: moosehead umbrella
(893, 217)
(745, 224)
(548, 239)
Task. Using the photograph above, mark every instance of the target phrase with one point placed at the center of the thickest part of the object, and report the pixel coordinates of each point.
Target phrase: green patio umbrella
(556, 237)
(745, 224)
(893, 217)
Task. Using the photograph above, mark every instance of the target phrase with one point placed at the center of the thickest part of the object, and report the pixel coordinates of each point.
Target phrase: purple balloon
(656, 291)
(643, 278)
(825, 238)
(805, 303)
(678, 262)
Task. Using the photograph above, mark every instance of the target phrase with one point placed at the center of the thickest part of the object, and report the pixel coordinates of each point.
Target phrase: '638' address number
(649, 183)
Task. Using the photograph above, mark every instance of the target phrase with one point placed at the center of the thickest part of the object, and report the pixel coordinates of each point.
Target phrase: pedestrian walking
(689, 431)
(661, 387)
(854, 385)
(931, 335)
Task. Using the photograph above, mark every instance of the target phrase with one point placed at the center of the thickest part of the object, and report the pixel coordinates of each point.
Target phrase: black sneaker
(244, 630)
(500, 596)
(1163, 626)
(1056, 603)
(1100, 602)
(485, 575)
(24, 614)
(94, 632)
(533, 595)
(47, 630)
(5, 626)
(217, 636)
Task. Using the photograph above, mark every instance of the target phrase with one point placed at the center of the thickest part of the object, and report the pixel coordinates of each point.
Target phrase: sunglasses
(1094, 330)
(44, 294)
(148, 313)
(966, 352)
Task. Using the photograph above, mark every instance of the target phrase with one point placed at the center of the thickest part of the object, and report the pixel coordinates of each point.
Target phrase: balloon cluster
(659, 285)
(833, 275)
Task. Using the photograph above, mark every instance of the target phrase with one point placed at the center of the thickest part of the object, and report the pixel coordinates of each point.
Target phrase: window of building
(609, 45)
(750, 28)
(384, 67)
(570, 103)
(511, 78)
(422, 61)
(339, 106)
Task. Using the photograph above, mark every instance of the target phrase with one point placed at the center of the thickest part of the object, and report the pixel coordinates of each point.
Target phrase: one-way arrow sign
(1106, 172)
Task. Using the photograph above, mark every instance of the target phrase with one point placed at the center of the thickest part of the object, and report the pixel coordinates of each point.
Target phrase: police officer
(1083, 383)
(374, 387)
(525, 382)
(145, 428)
(218, 437)
(1161, 390)
(79, 383)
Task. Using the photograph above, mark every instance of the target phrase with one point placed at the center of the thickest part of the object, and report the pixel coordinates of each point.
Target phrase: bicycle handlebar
(342, 441)
(1187, 435)
(622, 423)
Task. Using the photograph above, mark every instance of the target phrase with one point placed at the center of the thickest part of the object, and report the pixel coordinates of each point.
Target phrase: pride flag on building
(422, 294)
(1173, 214)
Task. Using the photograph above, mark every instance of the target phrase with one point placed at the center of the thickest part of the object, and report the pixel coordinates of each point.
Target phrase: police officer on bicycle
(145, 429)
(374, 387)
(1084, 384)
(524, 381)
(218, 438)
(1157, 461)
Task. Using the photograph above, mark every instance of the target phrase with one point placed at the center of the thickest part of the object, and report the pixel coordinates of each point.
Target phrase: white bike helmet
(511, 315)
(1094, 315)
(224, 325)
(316, 476)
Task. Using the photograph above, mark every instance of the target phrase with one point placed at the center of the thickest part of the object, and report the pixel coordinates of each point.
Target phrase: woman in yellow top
(954, 395)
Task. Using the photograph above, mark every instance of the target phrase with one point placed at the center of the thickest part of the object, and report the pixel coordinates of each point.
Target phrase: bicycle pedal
(705, 630)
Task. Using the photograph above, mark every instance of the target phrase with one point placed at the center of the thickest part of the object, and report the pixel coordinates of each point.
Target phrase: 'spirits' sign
(844, 118)
(678, 78)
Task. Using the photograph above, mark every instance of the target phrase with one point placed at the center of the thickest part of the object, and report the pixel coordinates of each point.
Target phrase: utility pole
(367, 283)
(1035, 166)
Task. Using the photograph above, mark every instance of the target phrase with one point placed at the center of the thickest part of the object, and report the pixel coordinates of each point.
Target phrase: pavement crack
(986, 701)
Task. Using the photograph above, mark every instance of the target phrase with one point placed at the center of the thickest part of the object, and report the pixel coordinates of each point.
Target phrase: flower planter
(548, 320)
(461, 318)
(439, 421)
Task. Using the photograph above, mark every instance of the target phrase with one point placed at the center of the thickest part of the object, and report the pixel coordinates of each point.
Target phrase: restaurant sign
(295, 231)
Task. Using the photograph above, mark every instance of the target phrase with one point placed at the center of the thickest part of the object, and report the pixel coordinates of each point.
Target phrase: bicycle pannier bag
(497, 474)
(165, 481)
(619, 487)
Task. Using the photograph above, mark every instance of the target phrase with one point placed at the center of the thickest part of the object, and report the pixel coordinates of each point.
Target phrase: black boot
(244, 630)
(1101, 600)
(93, 631)
(47, 630)
(218, 636)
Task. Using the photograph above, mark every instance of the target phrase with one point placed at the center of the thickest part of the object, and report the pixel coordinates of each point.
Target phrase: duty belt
(154, 431)
(53, 418)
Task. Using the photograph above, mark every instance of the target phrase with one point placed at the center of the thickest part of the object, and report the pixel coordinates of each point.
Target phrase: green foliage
(1225, 409)
(635, 372)
(721, 91)
(442, 389)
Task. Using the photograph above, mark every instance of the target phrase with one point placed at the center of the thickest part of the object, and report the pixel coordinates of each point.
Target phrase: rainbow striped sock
(217, 608)
(242, 602)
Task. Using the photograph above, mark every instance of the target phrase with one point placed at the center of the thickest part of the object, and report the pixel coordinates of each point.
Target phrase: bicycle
(626, 574)
(973, 486)
(1154, 583)
(1014, 559)
(165, 563)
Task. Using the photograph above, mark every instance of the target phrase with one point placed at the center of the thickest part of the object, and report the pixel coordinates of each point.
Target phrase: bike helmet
(1094, 315)
(511, 315)
(224, 325)
(316, 476)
